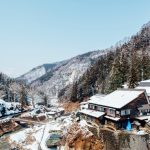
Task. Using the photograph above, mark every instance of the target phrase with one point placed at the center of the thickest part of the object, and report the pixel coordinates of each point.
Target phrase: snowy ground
(36, 137)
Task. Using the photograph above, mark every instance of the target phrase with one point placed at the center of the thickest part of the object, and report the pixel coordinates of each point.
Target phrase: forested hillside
(126, 63)
(12, 90)
(61, 74)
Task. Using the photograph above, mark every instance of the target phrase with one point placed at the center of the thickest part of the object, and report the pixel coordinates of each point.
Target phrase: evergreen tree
(74, 93)
(124, 66)
(80, 94)
(45, 100)
(133, 71)
(116, 76)
(145, 65)
(128, 62)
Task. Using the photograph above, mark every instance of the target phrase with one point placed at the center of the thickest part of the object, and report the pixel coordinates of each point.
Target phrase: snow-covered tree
(23, 96)
(2, 94)
(133, 70)
(145, 65)
(74, 96)
(116, 76)
(32, 95)
(15, 88)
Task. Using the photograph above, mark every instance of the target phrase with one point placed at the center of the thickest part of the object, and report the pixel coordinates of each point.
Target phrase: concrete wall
(124, 141)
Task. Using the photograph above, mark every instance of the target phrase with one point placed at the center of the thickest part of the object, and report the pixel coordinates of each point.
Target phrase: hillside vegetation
(126, 63)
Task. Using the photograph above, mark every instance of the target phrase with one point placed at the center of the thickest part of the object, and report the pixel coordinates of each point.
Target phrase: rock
(124, 141)
(79, 138)
(7, 126)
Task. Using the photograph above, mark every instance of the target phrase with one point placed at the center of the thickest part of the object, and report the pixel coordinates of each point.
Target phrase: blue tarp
(128, 127)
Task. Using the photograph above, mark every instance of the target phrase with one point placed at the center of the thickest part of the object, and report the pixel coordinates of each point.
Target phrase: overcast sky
(33, 32)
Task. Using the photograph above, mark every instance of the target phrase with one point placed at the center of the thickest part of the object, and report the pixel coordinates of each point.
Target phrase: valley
(99, 100)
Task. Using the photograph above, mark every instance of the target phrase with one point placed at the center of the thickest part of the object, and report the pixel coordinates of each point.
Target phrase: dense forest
(126, 63)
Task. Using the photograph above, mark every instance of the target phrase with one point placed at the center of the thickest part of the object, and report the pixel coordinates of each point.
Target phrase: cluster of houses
(120, 109)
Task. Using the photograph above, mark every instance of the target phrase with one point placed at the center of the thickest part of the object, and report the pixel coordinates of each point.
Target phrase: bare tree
(19, 90)
(15, 88)
(32, 94)
(23, 96)
(2, 93)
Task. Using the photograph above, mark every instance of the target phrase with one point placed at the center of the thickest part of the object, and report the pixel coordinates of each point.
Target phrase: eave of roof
(92, 113)
(113, 118)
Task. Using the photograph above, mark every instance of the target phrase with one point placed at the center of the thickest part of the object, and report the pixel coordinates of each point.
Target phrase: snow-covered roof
(96, 98)
(84, 103)
(113, 118)
(119, 98)
(8, 103)
(84, 106)
(125, 86)
(61, 109)
(147, 88)
(2, 101)
(92, 113)
(146, 80)
(145, 83)
(143, 118)
(51, 113)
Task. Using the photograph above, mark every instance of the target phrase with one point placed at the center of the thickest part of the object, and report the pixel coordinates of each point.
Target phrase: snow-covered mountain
(39, 71)
(54, 78)
(33, 74)
(51, 78)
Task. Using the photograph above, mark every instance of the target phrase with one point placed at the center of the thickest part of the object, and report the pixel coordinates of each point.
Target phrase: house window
(92, 106)
(128, 111)
(117, 112)
(112, 111)
(100, 108)
(95, 107)
(125, 112)
(122, 112)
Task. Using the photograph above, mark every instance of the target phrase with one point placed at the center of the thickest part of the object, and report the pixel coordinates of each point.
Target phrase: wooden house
(116, 108)
(146, 86)
(144, 110)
